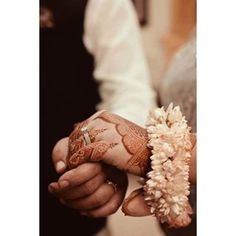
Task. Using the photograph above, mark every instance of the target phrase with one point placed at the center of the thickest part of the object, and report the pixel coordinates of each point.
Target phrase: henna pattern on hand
(76, 145)
(94, 133)
(92, 152)
(134, 139)
(76, 141)
(76, 133)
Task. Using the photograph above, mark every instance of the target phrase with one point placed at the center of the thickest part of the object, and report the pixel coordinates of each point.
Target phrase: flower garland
(167, 187)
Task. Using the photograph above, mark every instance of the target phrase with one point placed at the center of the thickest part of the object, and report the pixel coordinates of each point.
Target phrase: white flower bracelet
(167, 185)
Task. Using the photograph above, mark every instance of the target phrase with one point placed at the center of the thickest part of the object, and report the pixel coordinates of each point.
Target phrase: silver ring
(112, 184)
(86, 137)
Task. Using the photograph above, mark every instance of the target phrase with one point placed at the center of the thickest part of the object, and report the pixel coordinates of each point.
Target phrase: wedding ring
(86, 137)
(112, 184)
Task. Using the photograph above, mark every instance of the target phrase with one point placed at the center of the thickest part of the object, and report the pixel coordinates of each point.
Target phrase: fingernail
(60, 165)
(63, 183)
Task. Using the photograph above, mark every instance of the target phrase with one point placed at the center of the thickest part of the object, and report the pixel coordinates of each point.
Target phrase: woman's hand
(135, 205)
(113, 140)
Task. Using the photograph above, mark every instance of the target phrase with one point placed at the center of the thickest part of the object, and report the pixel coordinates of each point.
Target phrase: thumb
(135, 204)
(59, 155)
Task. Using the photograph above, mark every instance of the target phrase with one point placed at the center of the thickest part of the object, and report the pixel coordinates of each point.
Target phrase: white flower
(167, 186)
(160, 114)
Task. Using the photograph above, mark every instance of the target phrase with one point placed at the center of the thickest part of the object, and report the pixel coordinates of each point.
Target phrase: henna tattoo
(100, 149)
(142, 160)
(76, 142)
(94, 133)
(76, 145)
(92, 152)
(76, 133)
(134, 139)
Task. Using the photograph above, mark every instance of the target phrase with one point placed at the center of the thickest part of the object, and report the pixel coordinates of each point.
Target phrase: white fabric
(112, 36)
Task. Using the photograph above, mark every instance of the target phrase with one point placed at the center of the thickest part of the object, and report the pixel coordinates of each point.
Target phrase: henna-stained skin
(76, 143)
(92, 152)
(77, 133)
(134, 139)
(94, 133)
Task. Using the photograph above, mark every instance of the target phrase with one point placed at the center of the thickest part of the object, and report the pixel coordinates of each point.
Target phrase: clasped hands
(94, 174)
(117, 147)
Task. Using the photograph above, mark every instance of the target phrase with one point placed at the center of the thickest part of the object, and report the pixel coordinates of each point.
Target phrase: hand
(120, 143)
(114, 140)
(85, 187)
(117, 142)
(135, 205)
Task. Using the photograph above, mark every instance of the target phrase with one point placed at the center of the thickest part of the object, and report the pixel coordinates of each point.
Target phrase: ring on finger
(114, 185)
(86, 137)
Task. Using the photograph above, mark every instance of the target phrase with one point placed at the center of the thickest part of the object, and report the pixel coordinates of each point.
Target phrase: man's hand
(87, 187)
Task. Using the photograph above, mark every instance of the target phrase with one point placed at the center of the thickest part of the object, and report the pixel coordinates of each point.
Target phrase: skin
(46, 18)
(85, 187)
(115, 142)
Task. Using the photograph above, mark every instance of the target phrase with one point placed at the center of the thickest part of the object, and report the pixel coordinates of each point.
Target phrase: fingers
(59, 155)
(135, 204)
(121, 182)
(76, 145)
(76, 133)
(92, 152)
(109, 208)
(75, 177)
(84, 189)
(61, 149)
(101, 196)
(95, 196)
(78, 126)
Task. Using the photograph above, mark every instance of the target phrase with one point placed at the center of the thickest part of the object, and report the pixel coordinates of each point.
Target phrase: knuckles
(89, 187)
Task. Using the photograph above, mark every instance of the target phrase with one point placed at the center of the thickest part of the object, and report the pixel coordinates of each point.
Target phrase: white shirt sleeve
(112, 36)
